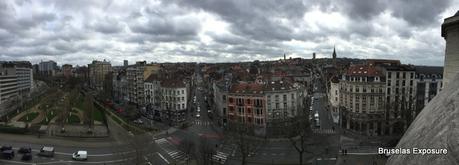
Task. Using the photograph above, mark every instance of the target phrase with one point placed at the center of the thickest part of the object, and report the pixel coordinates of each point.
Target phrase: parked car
(6, 148)
(8, 154)
(46, 151)
(198, 115)
(24, 150)
(80, 155)
(138, 121)
(27, 156)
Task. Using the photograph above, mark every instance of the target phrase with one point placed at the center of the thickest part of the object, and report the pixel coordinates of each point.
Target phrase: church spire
(334, 56)
(334, 53)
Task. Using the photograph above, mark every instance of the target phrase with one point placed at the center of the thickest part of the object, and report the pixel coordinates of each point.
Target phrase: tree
(301, 129)
(88, 111)
(243, 136)
(188, 147)
(206, 151)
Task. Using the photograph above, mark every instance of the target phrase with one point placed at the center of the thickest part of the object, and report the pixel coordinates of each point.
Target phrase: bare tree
(88, 112)
(300, 132)
(243, 136)
(188, 147)
(206, 151)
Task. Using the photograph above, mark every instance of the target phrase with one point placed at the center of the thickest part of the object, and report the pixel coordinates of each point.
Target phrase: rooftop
(363, 70)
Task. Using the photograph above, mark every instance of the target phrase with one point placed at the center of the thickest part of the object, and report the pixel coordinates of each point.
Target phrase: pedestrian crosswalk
(170, 149)
(220, 157)
(223, 153)
(323, 131)
(202, 123)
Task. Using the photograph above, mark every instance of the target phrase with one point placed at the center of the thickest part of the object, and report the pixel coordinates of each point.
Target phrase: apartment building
(98, 71)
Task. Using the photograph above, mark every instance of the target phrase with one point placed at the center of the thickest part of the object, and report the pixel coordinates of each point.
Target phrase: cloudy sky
(79, 31)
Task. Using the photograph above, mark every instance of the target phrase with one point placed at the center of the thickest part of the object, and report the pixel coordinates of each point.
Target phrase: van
(80, 155)
(46, 151)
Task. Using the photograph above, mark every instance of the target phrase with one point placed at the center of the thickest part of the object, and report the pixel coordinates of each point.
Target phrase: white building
(16, 82)
(170, 95)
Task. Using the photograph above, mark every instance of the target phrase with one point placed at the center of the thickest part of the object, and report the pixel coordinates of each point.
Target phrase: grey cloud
(106, 25)
(419, 12)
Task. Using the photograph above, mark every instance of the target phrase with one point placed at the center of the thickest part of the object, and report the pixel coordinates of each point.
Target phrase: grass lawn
(29, 117)
(73, 119)
(98, 115)
(50, 116)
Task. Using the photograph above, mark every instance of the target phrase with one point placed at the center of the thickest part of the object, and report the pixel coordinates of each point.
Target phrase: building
(169, 95)
(265, 106)
(120, 86)
(47, 68)
(399, 96)
(16, 82)
(361, 99)
(98, 71)
(450, 31)
(136, 75)
(428, 83)
(67, 70)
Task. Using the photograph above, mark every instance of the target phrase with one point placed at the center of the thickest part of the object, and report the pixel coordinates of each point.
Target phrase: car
(26, 156)
(317, 123)
(8, 154)
(80, 155)
(198, 109)
(46, 151)
(310, 108)
(3, 148)
(198, 115)
(24, 150)
(138, 121)
(316, 115)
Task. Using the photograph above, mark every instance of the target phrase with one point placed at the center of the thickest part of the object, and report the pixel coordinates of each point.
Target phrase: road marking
(162, 157)
(69, 161)
(92, 155)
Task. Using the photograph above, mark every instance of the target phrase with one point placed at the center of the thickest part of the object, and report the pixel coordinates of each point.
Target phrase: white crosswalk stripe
(223, 153)
(170, 149)
(323, 131)
(202, 123)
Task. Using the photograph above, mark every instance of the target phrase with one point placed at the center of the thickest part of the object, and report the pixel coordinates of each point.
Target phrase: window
(404, 75)
(411, 75)
(183, 106)
(285, 105)
(183, 91)
(248, 101)
(277, 105)
(397, 75)
(293, 96)
(388, 82)
(389, 75)
(241, 111)
(403, 83)
(285, 97)
(259, 111)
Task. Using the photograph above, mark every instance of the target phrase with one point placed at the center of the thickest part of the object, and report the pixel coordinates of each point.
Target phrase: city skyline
(78, 32)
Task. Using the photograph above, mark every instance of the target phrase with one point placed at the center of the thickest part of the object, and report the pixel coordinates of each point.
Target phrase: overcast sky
(79, 31)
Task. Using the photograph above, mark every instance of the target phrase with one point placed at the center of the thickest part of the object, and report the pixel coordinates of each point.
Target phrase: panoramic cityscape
(203, 82)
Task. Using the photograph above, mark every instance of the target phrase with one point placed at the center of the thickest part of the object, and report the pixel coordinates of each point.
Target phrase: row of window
(397, 75)
(284, 97)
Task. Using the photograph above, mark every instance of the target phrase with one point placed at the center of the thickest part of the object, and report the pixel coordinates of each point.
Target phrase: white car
(198, 109)
(80, 155)
(316, 115)
(198, 115)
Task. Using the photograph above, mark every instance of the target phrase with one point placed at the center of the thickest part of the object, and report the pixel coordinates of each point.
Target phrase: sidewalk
(67, 142)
